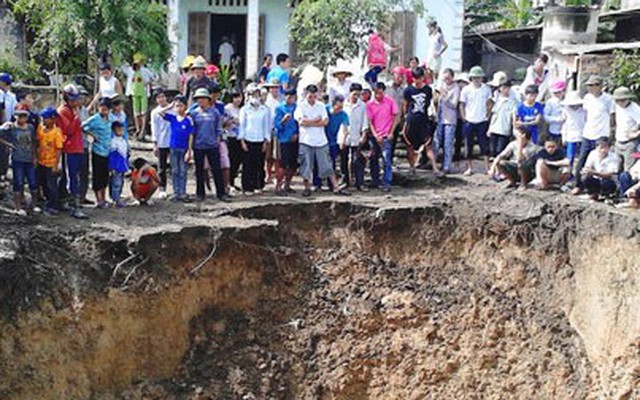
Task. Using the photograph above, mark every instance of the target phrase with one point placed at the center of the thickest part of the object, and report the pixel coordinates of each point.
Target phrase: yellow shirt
(49, 142)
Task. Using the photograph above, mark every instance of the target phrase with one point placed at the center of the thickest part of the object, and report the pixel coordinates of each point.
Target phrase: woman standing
(436, 46)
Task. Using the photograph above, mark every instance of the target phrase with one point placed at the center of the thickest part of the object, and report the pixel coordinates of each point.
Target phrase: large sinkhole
(329, 301)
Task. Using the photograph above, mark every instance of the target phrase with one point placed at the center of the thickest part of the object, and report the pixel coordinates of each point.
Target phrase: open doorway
(230, 27)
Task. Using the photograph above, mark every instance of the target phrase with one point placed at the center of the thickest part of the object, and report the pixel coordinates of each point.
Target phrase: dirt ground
(442, 289)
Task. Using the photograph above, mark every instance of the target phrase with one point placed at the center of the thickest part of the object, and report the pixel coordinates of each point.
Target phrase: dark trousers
(394, 141)
(236, 158)
(47, 181)
(253, 167)
(351, 161)
(213, 156)
(626, 182)
(84, 174)
(63, 180)
(585, 148)
(459, 142)
(4, 160)
(498, 143)
(163, 164)
(595, 186)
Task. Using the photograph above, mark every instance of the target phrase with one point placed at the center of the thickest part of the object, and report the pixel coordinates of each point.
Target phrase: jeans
(163, 165)
(213, 156)
(253, 167)
(334, 150)
(585, 148)
(445, 138)
(24, 171)
(84, 174)
(371, 76)
(178, 172)
(352, 161)
(573, 150)
(47, 181)
(115, 185)
(473, 132)
(626, 182)
(595, 186)
(385, 152)
(74, 172)
(498, 143)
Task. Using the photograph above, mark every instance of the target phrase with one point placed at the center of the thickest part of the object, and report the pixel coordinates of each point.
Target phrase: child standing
(500, 128)
(287, 133)
(99, 128)
(529, 112)
(20, 137)
(181, 130)
(553, 111)
(574, 120)
(118, 114)
(118, 162)
(50, 144)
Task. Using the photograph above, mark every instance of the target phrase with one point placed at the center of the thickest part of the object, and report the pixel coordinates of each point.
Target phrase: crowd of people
(538, 136)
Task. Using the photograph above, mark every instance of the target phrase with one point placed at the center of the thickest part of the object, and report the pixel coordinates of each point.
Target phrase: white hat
(572, 99)
(499, 78)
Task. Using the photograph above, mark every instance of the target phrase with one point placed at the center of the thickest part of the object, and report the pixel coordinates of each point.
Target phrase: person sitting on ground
(627, 125)
(600, 169)
(529, 112)
(144, 181)
(551, 165)
(312, 117)
(517, 160)
(630, 184)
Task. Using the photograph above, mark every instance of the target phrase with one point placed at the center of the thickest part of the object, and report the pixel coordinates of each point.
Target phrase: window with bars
(228, 3)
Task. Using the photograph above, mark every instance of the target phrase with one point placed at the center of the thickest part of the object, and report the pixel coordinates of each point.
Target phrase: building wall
(276, 18)
(450, 16)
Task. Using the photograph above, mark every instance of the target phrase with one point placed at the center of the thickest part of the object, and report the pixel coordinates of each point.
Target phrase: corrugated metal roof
(594, 48)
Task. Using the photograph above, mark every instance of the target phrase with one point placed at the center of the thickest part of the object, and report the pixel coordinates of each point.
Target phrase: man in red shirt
(69, 122)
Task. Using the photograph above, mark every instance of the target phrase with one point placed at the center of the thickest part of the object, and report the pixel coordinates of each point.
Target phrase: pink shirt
(381, 114)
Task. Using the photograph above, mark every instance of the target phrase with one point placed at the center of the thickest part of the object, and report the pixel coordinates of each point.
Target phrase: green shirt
(137, 84)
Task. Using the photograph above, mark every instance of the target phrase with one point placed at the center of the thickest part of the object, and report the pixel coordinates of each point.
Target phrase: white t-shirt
(475, 102)
(435, 42)
(609, 164)
(339, 88)
(10, 103)
(272, 103)
(108, 86)
(226, 51)
(627, 121)
(313, 136)
(573, 126)
(599, 110)
(501, 119)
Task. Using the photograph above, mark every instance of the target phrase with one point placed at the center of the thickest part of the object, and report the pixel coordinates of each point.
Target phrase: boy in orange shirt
(49, 147)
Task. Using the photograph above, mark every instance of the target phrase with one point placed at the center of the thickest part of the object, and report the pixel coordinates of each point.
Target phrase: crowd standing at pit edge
(271, 131)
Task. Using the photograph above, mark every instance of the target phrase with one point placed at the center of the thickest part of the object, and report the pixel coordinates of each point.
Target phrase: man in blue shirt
(286, 129)
(206, 143)
(280, 73)
(338, 120)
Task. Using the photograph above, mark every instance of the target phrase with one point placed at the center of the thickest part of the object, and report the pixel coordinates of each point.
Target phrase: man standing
(475, 109)
(280, 72)
(599, 108)
(627, 124)
(206, 144)
(161, 134)
(351, 161)
(448, 96)
(73, 149)
(312, 117)
(8, 103)
(382, 112)
(396, 92)
(226, 51)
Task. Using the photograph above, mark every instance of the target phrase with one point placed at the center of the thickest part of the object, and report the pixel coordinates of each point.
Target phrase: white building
(256, 27)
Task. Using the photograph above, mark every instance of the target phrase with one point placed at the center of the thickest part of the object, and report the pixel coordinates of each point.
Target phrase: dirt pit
(501, 298)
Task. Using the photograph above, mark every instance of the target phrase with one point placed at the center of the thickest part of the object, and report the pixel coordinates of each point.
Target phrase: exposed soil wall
(498, 298)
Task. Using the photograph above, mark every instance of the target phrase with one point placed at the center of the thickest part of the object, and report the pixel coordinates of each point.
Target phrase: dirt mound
(452, 299)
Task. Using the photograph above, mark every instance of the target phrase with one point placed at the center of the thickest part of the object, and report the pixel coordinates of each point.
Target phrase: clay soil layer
(436, 293)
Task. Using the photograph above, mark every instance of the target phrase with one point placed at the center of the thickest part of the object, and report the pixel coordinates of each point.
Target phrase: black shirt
(194, 84)
(418, 101)
(558, 155)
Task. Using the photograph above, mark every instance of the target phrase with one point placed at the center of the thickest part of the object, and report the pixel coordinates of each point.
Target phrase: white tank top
(108, 86)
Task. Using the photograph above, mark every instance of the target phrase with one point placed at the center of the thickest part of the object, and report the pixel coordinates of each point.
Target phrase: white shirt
(541, 81)
(10, 103)
(502, 116)
(599, 110)
(358, 123)
(553, 115)
(574, 120)
(160, 129)
(233, 113)
(475, 102)
(609, 164)
(627, 121)
(226, 51)
(147, 77)
(313, 136)
(435, 43)
(254, 124)
(108, 87)
(448, 102)
(272, 103)
(342, 89)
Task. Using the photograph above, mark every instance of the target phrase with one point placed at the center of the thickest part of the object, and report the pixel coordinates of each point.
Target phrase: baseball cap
(6, 78)
(48, 112)
(70, 92)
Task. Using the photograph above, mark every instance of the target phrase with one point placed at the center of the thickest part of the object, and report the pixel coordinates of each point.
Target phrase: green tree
(328, 30)
(507, 14)
(92, 27)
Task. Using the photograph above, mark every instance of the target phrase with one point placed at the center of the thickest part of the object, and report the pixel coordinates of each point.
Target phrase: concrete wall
(276, 19)
(11, 35)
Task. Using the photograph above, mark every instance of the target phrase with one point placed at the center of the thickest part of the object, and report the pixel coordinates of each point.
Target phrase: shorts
(513, 170)
(418, 132)
(556, 174)
(140, 105)
(225, 163)
(308, 156)
(289, 155)
(434, 64)
(100, 171)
